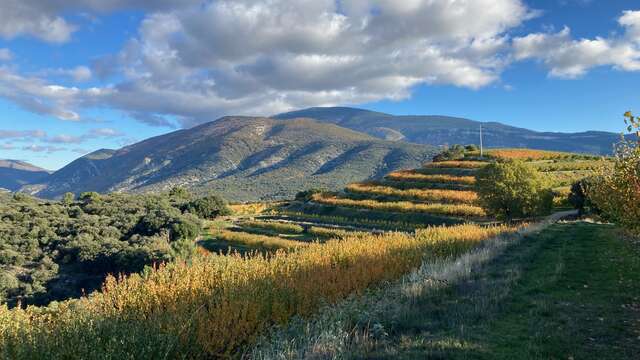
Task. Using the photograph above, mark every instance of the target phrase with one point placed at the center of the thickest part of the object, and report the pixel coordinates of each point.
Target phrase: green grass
(571, 292)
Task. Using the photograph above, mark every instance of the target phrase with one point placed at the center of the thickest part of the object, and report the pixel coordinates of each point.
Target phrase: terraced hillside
(438, 193)
(322, 247)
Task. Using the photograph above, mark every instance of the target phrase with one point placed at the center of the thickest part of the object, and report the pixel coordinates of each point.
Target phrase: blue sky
(80, 75)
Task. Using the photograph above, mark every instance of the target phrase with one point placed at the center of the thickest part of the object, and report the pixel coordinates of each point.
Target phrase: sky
(80, 75)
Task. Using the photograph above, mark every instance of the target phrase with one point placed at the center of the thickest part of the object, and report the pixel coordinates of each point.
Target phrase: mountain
(441, 130)
(243, 158)
(15, 173)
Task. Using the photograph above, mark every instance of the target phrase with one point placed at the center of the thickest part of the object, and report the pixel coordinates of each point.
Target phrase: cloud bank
(192, 61)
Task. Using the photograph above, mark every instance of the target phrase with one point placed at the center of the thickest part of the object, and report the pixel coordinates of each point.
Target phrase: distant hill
(15, 173)
(441, 130)
(243, 158)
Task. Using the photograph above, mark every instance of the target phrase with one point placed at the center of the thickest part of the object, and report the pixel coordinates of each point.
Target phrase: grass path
(570, 292)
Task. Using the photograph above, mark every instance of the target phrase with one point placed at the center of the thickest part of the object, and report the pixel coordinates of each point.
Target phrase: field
(266, 264)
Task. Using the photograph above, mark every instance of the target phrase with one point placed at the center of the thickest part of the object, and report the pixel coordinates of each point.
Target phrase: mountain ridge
(439, 130)
(16, 173)
(243, 158)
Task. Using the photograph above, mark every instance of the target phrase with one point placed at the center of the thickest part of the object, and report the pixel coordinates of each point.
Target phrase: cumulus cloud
(256, 57)
(190, 64)
(570, 58)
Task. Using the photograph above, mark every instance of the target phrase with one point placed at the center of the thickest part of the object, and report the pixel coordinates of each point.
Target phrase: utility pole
(480, 140)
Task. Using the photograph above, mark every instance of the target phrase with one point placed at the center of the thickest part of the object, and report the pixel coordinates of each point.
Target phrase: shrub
(616, 191)
(456, 152)
(307, 195)
(512, 189)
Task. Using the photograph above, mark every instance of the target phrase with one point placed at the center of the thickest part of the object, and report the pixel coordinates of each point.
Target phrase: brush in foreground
(215, 305)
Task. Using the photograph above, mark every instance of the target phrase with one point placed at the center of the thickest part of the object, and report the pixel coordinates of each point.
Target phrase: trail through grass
(571, 292)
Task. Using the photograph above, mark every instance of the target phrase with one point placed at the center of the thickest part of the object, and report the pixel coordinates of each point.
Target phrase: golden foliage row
(352, 221)
(255, 240)
(412, 175)
(214, 305)
(528, 154)
(279, 227)
(461, 164)
(334, 233)
(402, 206)
(432, 195)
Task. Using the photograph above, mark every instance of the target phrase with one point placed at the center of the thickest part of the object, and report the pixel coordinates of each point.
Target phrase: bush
(456, 152)
(307, 195)
(208, 207)
(616, 191)
(512, 189)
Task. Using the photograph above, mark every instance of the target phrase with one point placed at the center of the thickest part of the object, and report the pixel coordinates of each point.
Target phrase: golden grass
(214, 305)
(432, 195)
(254, 240)
(457, 164)
(412, 175)
(402, 206)
(281, 228)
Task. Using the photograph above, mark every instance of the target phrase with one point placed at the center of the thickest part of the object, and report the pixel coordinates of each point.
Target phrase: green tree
(208, 207)
(513, 189)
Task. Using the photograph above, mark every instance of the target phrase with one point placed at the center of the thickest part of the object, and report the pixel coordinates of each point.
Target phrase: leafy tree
(513, 189)
(208, 207)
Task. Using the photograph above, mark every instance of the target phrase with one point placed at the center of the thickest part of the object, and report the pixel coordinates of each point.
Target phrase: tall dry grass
(461, 164)
(432, 195)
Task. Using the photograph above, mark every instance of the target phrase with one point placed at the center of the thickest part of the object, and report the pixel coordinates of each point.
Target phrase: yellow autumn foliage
(215, 305)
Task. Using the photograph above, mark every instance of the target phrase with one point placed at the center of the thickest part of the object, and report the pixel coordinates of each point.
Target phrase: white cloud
(256, 57)
(78, 74)
(569, 58)
(5, 54)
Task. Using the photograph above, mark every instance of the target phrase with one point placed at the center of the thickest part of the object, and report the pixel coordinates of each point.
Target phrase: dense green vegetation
(52, 250)
(512, 189)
